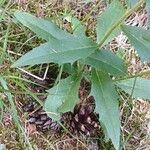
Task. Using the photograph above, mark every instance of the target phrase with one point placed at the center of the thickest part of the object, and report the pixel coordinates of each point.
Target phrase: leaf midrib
(69, 91)
(105, 103)
(133, 36)
(108, 64)
(60, 52)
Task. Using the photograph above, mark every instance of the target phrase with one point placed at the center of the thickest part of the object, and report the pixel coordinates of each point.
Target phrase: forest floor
(15, 40)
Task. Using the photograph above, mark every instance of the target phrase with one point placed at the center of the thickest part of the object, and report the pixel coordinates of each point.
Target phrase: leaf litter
(140, 112)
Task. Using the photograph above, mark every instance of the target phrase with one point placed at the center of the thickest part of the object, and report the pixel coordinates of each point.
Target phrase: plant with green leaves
(75, 51)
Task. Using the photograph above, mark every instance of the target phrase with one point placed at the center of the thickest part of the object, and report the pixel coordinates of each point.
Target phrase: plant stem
(127, 14)
(59, 75)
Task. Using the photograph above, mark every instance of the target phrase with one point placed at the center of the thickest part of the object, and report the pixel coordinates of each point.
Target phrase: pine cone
(83, 119)
(40, 118)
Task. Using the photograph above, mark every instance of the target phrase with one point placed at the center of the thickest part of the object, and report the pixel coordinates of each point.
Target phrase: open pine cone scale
(83, 120)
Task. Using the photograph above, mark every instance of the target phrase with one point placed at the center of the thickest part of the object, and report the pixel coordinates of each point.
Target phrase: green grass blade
(14, 113)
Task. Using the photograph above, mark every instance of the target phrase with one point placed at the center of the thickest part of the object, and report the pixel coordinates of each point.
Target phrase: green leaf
(107, 19)
(58, 51)
(70, 68)
(131, 3)
(63, 96)
(140, 39)
(106, 100)
(3, 83)
(43, 28)
(148, 11)
(106, 61)
(78, 28)
(141, 89)
(2, 147)
(71, 95)
(2, 110)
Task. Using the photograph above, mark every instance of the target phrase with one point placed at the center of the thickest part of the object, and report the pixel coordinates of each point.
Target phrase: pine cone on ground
(83, 120)
(40, 118)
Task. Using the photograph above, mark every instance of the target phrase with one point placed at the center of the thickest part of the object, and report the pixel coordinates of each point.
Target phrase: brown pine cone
(40, 118)
(83, 120)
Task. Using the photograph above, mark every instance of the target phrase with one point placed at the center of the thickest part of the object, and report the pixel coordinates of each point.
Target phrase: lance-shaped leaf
(57, 51)
(43, 28)
(148, 11)
(62, 97)
(77, 27)
(131, 3)
(107, 19)
(2, 147)
(106, 100)
(139, 87)
(140, 39)
(106, 61)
